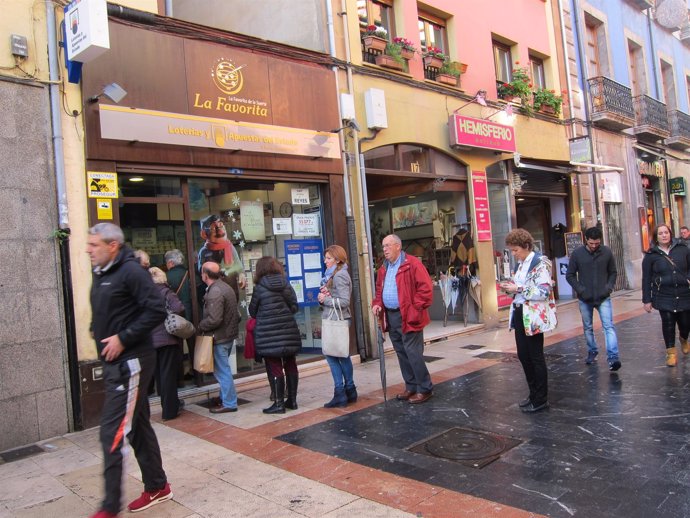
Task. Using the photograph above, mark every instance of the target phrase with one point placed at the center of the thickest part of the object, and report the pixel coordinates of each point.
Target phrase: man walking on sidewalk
(592, 274)
(126, 307)
(403, 293)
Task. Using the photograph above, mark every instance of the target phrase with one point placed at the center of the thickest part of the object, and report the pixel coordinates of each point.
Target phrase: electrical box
(347, 107)
(375, 106)
(19, 46)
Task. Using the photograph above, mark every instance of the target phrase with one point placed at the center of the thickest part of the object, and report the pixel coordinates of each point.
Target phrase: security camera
(353, 124)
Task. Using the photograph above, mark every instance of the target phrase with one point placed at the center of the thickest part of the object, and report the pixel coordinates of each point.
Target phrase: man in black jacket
(592, 274)
(126, 307)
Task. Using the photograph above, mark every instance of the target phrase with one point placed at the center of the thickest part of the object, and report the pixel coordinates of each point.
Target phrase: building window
(432, 32)
(503, 63)
(376, 12)
(536, 66)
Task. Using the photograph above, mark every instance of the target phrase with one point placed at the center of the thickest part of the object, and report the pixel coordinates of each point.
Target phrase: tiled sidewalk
(232, 464)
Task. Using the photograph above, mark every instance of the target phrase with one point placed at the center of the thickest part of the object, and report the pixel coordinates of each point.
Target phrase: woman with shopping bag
(336, 289)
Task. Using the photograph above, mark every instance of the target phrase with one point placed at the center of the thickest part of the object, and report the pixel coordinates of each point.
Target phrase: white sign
(86, 26)
(282, 226)
(300, 196)
(252, 220)
(610, 187)
(305, 225)
(144, 238)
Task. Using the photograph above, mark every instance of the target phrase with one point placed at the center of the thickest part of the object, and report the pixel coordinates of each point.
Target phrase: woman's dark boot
(278, 407)
(292, 380)
(351, 394)
(339, 399)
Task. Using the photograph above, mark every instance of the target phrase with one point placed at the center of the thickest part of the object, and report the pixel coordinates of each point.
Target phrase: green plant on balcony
(520, 86)
(392, 57)
(451, 68)
(433, 57)
(547, 100)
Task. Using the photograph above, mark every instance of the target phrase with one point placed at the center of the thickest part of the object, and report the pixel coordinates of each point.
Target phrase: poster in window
(305, 225)
(144, 238)
(421, 213)
(252, 220)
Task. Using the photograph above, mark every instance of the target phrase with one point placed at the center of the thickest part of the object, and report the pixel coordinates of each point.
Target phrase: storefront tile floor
(610, 445)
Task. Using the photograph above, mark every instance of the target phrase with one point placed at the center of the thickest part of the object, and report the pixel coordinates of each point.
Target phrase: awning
(661, 153)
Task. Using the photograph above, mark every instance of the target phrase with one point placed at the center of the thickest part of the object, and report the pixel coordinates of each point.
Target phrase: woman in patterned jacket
(532, 313)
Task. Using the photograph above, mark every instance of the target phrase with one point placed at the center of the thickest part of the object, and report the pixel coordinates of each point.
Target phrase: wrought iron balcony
(679, 123)
(651, 121)
(611, 103)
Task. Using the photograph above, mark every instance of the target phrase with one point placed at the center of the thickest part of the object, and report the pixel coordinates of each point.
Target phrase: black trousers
(126, 413)
(530, 350)
(409, 347)
(669, 319)
(168, 360)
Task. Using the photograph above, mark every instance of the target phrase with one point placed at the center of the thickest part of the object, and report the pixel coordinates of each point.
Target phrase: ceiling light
(136, 179)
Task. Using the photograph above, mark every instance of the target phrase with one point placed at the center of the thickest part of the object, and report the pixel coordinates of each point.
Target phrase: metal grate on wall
(527, 181)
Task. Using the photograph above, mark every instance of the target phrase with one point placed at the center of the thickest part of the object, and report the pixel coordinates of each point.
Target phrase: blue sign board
(304, 259)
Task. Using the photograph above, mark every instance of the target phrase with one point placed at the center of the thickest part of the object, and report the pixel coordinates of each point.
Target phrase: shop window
(496, 171)
(376, 12)
(381, 158)
(432, 32)
(143, 186)
(446, 166)
(411, 158)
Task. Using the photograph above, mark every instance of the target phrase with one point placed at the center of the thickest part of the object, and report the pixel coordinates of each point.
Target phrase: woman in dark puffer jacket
(665, 287)
(276, 336)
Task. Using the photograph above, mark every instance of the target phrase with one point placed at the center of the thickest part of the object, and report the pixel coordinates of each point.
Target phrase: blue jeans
(341, 369)
(223, 373)
(605, 310)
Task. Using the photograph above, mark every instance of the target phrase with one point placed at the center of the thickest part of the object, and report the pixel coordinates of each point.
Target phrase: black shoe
(614, 365)
(532, 408)
(222, 410)
(525, 402)
(591, 357)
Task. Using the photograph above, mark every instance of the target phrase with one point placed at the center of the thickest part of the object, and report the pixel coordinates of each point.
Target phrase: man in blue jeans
(592, 274)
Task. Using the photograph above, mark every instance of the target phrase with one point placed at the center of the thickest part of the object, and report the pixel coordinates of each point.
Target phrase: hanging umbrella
(455, 291)
(444, 285)
(382, 360)
(476, 290)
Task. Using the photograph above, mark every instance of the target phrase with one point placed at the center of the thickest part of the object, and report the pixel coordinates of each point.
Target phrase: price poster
(303, 258)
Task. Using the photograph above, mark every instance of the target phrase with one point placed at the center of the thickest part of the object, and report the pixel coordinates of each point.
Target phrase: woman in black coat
(276, 335)
(666, 287)
(168, 351)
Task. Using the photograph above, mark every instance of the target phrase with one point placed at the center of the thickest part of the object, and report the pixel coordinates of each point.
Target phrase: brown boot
(685, 347)
(671, 357)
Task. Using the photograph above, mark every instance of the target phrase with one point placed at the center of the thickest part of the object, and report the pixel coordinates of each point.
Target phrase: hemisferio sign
(479, 133)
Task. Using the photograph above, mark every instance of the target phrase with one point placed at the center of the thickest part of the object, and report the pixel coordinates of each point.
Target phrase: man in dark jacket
(403, 294)
(222, 319)
(126, 306)
(592, 274)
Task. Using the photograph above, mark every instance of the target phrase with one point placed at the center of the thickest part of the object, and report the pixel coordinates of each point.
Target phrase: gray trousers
(410, 350)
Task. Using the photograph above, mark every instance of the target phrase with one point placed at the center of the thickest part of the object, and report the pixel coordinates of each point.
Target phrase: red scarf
(227, 248)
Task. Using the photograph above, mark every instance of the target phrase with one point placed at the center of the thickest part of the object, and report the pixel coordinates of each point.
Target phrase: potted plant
(547, 101)
(407, 48)
(520, 87)
(449, 73)
(391, 58)
(375, 38)
(433, 57)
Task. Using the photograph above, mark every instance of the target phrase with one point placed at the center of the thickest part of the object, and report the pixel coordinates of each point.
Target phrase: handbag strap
(334, 309)
(177, 292)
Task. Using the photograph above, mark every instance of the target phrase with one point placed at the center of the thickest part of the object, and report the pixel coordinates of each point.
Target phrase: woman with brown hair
(336, 289)
(276, 335)
(665, 279)
(532, 313)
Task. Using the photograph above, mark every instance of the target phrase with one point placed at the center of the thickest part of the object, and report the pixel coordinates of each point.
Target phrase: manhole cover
(471, 448)
(472, 347)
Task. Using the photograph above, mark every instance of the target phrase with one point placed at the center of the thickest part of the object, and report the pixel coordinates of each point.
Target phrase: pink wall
(520, 21)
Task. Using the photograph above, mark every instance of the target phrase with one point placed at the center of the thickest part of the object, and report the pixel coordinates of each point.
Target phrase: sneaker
(614, 365)
(149, 499)
(591, 356)
(103, 514)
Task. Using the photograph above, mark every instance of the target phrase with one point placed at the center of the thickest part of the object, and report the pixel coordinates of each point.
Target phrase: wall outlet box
(375, 107)
(19, 46)
(347, 107)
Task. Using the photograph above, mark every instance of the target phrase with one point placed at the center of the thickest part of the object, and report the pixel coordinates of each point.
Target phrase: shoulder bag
(177, 325)
(335, 334)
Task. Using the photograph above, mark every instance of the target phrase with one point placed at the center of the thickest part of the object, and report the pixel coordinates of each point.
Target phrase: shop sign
(610, 187)
(467, 131)
(677, 186)
(104, 209)
(655, 168)
(138, 125)
(101, 185)
(86, 29)
(482, 216)
(502, 299)
(580, 150)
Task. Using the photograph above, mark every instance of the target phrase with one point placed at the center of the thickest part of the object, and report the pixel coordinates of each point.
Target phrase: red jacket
(415, 293)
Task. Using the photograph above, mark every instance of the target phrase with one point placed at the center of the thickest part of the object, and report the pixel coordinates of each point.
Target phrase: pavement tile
(368, 509)
(27, 490)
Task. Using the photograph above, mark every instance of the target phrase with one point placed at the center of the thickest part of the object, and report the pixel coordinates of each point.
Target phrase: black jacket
(126, 302)
(274, 304)
(592, 275)
(665, 285)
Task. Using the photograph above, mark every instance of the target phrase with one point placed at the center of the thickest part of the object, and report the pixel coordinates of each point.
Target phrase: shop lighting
(113, 91)
(479, 98)
(136, 179)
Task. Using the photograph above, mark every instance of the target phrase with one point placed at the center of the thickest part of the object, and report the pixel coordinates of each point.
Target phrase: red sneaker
(149, 499)
(103, 514)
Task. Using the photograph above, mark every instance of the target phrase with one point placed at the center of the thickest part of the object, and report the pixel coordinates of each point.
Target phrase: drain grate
(21, 453)
(470, 448)
(430, 359)
(472, 347)
(494, 355)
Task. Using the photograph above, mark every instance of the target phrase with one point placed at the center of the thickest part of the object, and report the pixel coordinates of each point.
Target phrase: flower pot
(406, 53)
(463, 68)
(432, 62)
(374, 43)
(549, 110)
(447, 79)
(386, 61)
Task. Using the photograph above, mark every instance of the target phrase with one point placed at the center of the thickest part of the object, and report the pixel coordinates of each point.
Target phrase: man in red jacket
(403, 294)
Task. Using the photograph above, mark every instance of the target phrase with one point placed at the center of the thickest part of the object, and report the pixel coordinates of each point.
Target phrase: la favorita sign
(470, 132)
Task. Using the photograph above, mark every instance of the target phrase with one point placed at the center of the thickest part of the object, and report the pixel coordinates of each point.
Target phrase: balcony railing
(679, 123)
(611, 103)
(651, 119)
